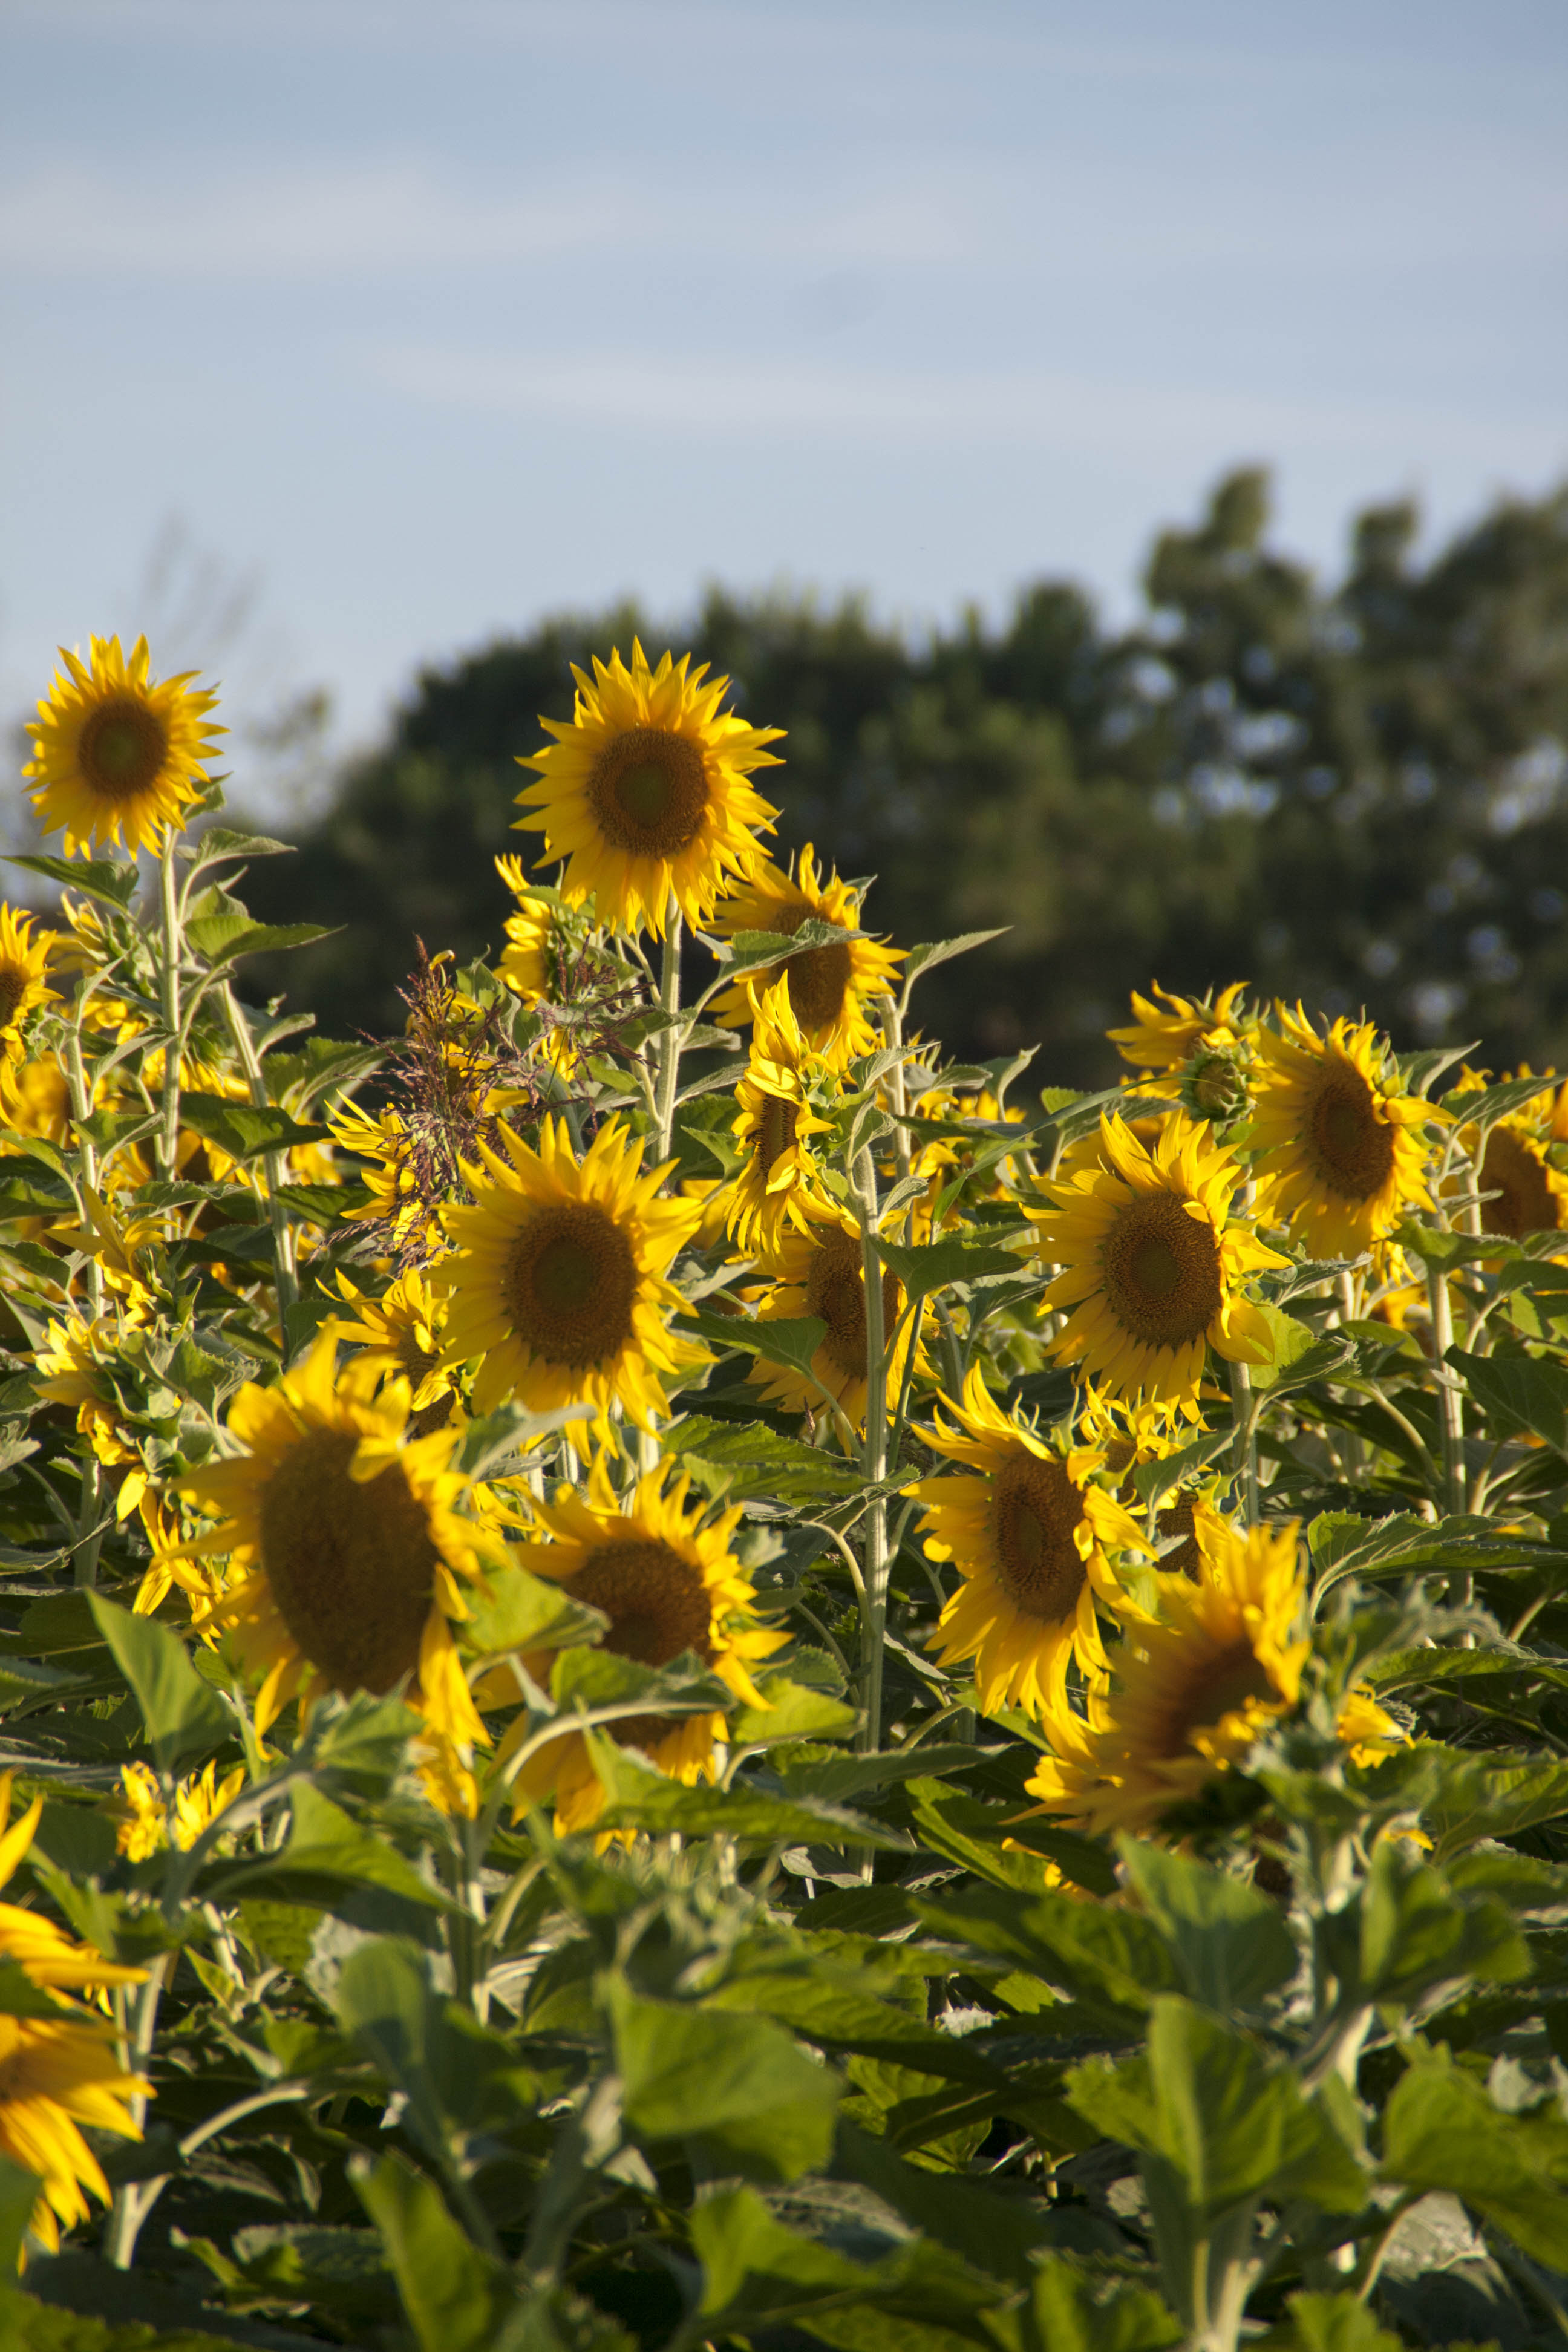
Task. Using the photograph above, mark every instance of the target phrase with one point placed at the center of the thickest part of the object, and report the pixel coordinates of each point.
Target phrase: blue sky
(414, 320)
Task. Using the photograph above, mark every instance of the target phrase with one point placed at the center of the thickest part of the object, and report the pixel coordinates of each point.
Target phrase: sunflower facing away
(115, 755)
(779, 1183)
(820, 1271)
(829, 987)
(1526, 1195)
(401, 1333)
(1195, 1690)
(1337, 1155)
(1028, 1531)
(57, 2074)
(356, 1557)
(23, 974)
(667, 1584)
(645, 794)
(558, 1284)
(1164, 1040)
(1150, 1266)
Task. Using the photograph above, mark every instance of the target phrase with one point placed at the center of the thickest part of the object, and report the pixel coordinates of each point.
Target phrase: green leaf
(1230, 1942)
(1300, 1358)
(1072, 2312)
(1519, 1393)
(636, 1796)
(1413, 1936)
(1484, 1106)
(1115, 1962)
(20, 1997)
(747, 1459)
(455, 2296)
(1343, 1545)
(791, 1340)
(219, 843)
(182, 1714)
(1217, 2123)
(244, 1129)
(736, 2088)
(1479, 1797)
(760, 2276)
(795, 1711)
(970, 1833)
(98, 877)
(521, 1611)
(995, 2233)
(224, 938)
(1441, 2131)
(1328, 2323)
(328, 1857)
(930, 953)
(832, 1774)
(18, 2195)
(827, 2005)
(934, 1264)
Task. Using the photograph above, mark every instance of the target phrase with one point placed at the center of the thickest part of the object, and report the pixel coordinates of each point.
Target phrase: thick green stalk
(126, 2213)
(275, 1162)
(1450, 1401)
(169, 983)
(1244, 1448)
(668, 1082)
(874, 1607)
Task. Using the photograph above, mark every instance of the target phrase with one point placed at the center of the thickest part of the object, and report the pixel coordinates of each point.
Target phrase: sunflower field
(678, 1676)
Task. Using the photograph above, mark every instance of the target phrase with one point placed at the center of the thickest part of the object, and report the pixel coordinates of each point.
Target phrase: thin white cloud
(1034, 408)
(287, 225)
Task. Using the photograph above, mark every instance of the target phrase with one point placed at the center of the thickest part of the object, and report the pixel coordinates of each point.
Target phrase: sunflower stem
(131, 2206)
(1244, 1449)
(274, 1162)
(169, 985)
(874, 1608)
(669, 1039)
(1450, 1402)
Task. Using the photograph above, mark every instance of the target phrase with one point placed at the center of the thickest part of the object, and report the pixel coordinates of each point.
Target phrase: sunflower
(549, 957)
(383, 1141)
(1368, 1730)
(400, 1333)
(56, 2074)
(1028, 1534)
(77, 1377)
(356, 1556)
(1151, 1266)
(1195, 1689)
(1526, 1195)
(36, 1099)
(558, 1284)
(820, 1271)
(830, 987)
(114, 753)
(144, 1818)
(667, 1584)
(1160, 1040)
(1336, 1155)
(645, 794)
(24, 973)
(779, 1183)
(938, 1157)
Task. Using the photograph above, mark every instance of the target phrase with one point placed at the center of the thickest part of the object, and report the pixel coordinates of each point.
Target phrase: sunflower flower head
(831, 988)
(644, 795)
(1335, 1137)
(1522, 1192)
(1151, 1264)
(557, 1285)
(25, 960)
(401, 1334)
(779, 1183)
(818, 1270)
(116, 756)
(1194, 1690)
(667, 1584)
(1032, 1533)
(355, 1557)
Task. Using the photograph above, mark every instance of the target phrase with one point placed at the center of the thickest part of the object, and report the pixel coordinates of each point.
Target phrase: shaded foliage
(1353, 793)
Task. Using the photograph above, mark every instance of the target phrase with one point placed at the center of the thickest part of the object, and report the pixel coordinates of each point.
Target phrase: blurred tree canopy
(1357, 794)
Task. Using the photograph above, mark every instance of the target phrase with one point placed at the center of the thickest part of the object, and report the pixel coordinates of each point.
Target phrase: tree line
(1355, 792)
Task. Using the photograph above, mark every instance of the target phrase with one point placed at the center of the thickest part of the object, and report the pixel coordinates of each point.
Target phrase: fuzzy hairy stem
(874, 1609)
(169, 990)
(275, 1163)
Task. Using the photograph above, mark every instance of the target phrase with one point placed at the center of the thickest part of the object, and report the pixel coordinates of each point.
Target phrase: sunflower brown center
(570, 1285)
(658, 1606)
(352, 1566)
(1179, 1519)
(819, 981)
(1214, 1687)
(835, 1291)
(1035, 1509)
(13, 987)
(776, 1131)
(649, 791)
(1350, 1147)
(1525, 1202)
(122, 748)
(1161, 1271)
